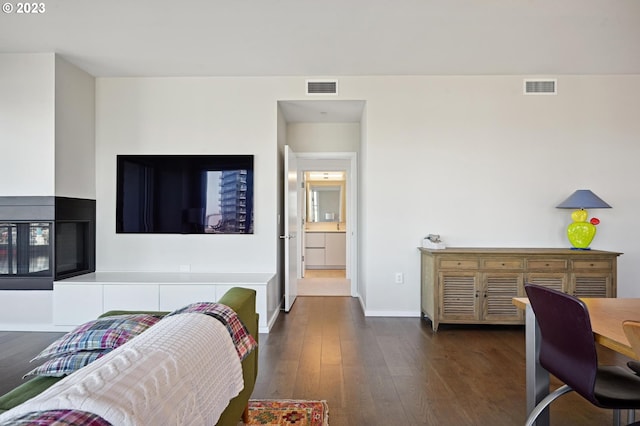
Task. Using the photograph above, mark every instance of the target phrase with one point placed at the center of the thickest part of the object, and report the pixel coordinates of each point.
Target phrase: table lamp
(581, 232)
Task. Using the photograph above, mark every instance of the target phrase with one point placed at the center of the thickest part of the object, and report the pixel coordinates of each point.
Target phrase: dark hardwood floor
(379, 371)
(396, 371)
(16, 350)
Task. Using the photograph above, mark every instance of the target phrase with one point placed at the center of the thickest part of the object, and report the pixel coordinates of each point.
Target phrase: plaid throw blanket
(242, 340)
(59, 417)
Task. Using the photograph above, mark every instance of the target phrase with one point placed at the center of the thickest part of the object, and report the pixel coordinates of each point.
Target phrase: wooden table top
(607, 315)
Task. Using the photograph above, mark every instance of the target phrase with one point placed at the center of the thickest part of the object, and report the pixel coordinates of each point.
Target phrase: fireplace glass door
(25, 250)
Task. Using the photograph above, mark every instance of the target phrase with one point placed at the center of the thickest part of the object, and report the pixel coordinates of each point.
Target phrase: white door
(290, 231)
(302, 237)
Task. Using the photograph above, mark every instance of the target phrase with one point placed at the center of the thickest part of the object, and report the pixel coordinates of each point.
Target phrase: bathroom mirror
(325, 201)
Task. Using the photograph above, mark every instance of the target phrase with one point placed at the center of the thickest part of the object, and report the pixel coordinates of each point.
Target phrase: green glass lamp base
(580, 232)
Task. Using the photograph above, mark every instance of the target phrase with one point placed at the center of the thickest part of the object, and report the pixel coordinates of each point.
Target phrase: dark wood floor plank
(359, 405)
(331, 350)
(16, 350)
(389, 408)
(282, 380)
(424, 406)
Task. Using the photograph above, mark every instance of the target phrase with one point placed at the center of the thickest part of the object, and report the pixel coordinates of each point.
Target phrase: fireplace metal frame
(56, 211)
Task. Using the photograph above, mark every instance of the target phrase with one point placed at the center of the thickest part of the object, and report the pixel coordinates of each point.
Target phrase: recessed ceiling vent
(540, 87)
(322, 87)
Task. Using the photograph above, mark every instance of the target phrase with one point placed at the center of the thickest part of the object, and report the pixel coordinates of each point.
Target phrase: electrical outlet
(399, 277)
(185, 268)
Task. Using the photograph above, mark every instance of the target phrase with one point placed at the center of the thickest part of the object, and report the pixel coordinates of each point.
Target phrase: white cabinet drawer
(335, 249)
(76, 304)
(314, 257)
(314, 239)
(175, 296)
(134, 297)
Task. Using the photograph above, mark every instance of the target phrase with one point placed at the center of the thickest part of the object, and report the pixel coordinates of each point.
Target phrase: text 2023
(30, 8)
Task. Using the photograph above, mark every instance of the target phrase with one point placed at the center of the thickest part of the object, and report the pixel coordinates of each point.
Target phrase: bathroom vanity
(325, 250)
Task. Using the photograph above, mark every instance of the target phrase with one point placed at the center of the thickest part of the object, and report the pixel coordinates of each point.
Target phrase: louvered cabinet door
(497, 297)
(459, 296)
(592, 278)
(591, 284)
(557, 281)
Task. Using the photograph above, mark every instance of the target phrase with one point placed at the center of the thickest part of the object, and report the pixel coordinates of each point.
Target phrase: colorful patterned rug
(288, 412)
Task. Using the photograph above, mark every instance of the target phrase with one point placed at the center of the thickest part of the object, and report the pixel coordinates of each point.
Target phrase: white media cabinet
(80, 299)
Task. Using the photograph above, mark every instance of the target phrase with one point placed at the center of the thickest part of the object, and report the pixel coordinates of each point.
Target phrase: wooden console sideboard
(476, 285)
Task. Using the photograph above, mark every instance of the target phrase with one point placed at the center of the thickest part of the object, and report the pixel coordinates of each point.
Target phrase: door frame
(330, 161)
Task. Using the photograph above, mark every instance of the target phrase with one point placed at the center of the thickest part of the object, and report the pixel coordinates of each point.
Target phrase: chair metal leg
(537, 376)
(631, 416)
(616, 418)
(542, 405)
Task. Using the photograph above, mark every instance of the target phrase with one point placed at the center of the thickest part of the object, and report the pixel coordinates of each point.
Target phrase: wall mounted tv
(184, 194)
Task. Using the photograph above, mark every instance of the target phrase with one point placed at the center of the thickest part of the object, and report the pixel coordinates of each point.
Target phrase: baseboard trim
(271, 321)
(36, 327)
(403, 314)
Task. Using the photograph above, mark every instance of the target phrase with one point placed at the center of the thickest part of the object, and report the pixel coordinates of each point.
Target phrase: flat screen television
(184, 194)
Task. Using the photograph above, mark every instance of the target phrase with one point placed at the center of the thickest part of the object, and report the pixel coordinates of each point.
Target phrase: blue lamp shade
(583, 199)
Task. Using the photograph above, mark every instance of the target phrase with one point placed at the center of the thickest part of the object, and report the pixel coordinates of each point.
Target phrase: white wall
(46, 127)
(187, 116)
(475, 160)
(324, 137)
(27, 124)
(75, 165)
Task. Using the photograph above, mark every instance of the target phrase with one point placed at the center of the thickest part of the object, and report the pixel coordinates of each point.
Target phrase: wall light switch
(399, 277)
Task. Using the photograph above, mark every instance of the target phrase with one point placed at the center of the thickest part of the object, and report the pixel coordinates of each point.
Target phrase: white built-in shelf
(83, 298)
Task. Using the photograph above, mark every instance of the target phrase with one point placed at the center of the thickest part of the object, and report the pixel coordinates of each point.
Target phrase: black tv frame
(171, 194)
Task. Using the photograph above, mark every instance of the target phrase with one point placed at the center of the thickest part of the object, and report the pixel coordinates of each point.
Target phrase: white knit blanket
(182, 371)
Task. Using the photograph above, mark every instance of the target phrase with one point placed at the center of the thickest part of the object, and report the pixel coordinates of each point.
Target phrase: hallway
(324, 282)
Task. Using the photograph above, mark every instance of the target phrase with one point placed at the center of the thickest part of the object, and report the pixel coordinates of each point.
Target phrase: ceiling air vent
(322, 87)
(540, 87)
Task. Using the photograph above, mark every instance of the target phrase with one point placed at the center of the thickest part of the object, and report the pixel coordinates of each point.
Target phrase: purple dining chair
(568, 351)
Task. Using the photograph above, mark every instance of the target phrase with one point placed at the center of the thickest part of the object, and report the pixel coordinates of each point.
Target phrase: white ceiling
(332, 38)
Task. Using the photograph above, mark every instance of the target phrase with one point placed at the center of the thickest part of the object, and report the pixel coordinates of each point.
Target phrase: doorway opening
(327, 223)
(324, 256)
(325, 135)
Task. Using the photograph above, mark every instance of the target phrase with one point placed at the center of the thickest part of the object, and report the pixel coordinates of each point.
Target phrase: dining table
(606, 315)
